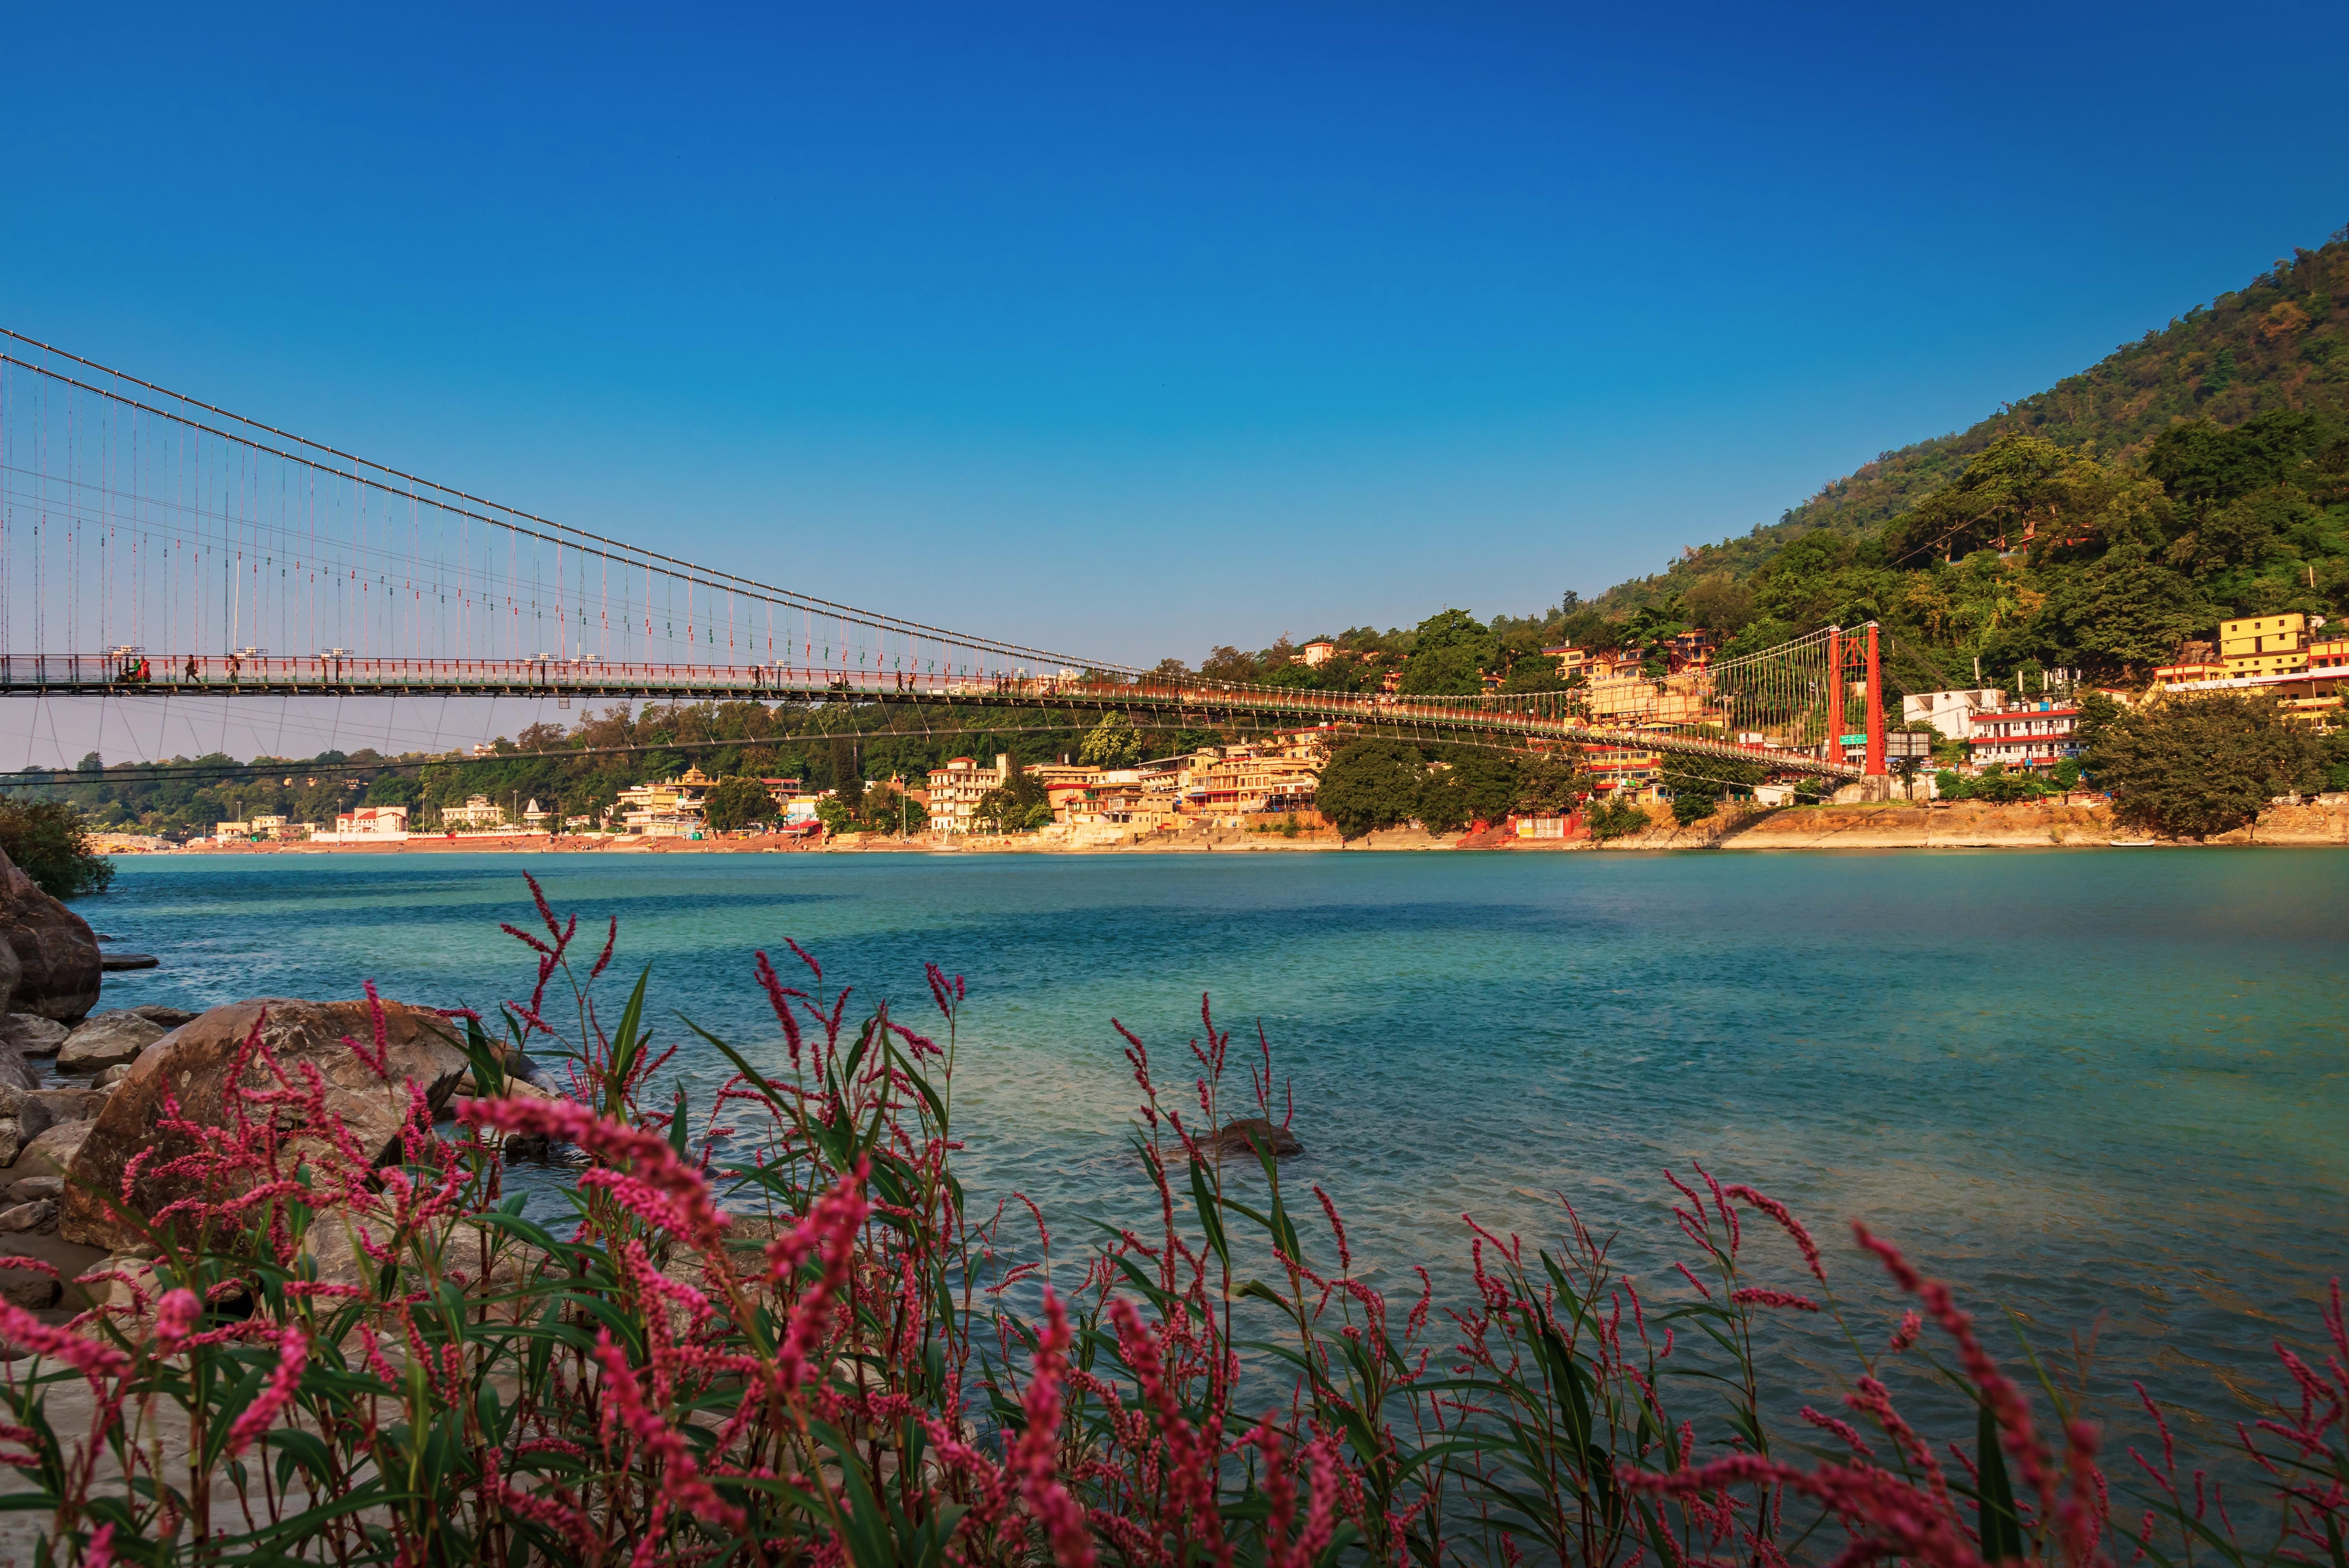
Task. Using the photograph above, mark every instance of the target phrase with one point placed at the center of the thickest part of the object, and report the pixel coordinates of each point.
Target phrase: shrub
(2193, 765)
(48, 842)
(1611, 818)
(815, 1352)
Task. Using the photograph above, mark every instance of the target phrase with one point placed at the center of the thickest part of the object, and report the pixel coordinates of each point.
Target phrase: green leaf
(1209, 1219)
(2002, 1531)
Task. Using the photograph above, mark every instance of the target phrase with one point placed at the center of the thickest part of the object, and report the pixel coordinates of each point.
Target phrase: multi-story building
(1625, 773)
(477, 812)
(1280, 774)
(368, 825)
(957, 789)
(2264, 645)
(669, 809)
(2032, 735)
(1951, 712)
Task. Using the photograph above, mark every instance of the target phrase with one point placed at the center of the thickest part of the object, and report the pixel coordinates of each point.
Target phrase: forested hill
(2280, 343)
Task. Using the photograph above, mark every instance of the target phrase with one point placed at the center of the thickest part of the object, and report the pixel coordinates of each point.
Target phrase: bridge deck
(198, 675)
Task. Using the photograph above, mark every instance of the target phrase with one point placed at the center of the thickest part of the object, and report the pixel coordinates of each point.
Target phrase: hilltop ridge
(2278, 343)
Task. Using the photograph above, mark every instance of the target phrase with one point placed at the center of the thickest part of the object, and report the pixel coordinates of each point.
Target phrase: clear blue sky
(1132, 330)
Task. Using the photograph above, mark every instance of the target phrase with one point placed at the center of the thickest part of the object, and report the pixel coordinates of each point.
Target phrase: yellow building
(2264, 645)
(669, 809)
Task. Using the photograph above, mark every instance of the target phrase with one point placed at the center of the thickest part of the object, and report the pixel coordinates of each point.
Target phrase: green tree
(1370, 783)
(2122, 612)
(847, 773)
(47, 842)
(394, 789)
(1478, 786)
(1018, 804)
(1450, 655)
(1550, 785)
(1533, 673)
(1611, 818)
(737, 802)
(2195, 766)
(1114, 742)
(1699, 784)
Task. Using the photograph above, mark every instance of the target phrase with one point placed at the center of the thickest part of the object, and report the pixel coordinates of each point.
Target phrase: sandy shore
(1952, 824)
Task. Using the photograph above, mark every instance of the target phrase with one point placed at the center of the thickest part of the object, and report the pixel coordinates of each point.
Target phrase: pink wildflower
(1036, 1455)
(175, 1319)
(1753, 1295)
(86, 1356)
(292, 1356)
(682, 1479)
(1786, 1223)
(647, 1155)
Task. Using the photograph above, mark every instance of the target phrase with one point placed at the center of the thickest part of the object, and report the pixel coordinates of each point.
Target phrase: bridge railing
(132, 671)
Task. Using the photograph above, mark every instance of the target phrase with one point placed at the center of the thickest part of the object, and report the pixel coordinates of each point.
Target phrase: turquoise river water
(2077, 1083)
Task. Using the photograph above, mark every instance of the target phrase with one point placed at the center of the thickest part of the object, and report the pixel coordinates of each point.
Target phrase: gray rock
(193, 1066)
(55, 953)
(52, 1152)
(12, 1139)
(168, 1016)
(30, 1034)
(24, 1288)
(45, 1109)
(112, 1075)
(106, 1039)
(25, 1189)
(12, 1101)
(28, 1216)
(13, 1073)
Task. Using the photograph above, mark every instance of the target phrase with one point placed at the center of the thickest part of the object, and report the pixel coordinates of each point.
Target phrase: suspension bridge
(152, 543)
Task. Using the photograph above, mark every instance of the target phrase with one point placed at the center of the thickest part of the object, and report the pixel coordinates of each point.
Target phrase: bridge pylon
(1852, 660)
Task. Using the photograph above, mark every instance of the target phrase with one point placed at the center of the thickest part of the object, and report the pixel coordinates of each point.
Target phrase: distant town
(1998, 744)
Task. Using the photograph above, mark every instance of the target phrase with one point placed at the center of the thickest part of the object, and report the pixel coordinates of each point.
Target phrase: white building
(1951, 712)
(477, 812)
(957, 789)
(368, 825)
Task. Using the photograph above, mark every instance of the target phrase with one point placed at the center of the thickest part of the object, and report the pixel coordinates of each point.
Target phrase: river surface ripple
(2074, 1083)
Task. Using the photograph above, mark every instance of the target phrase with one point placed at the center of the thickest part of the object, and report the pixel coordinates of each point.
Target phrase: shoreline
(1950, 824)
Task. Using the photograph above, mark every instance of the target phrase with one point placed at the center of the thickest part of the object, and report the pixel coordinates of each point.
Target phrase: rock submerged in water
(1243, 1137)
(106, 1039)
(192, 1061)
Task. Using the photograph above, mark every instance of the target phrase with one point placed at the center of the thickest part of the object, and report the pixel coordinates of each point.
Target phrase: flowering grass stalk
(813, 1351)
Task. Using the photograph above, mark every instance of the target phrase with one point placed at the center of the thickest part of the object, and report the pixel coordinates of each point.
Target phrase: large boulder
(14, 1072)
(52, 1153)
(55, 951)
(30, 1034)
(106, 1039)
(192, 1063)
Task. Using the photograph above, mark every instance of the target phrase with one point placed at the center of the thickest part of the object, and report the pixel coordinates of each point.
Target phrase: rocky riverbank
(83, 1099)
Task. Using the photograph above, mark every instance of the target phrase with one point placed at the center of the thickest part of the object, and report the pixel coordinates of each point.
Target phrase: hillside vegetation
(2199, 474)
(2279, 344)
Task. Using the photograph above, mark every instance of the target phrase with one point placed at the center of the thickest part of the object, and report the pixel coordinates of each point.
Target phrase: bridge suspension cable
(153, 542)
